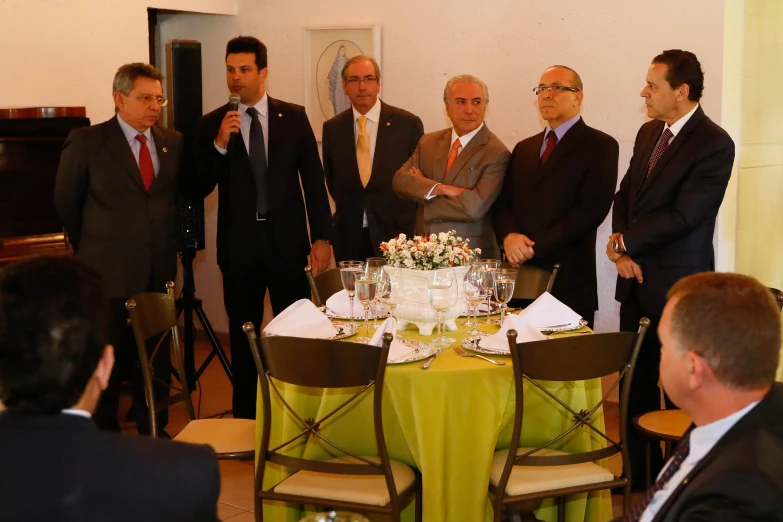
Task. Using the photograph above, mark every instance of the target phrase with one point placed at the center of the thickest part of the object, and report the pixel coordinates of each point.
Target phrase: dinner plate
(419, 351)
(474, 347)
(331, 314)
(344, 329)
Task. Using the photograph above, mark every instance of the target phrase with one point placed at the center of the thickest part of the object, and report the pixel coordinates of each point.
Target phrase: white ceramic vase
(415, 307)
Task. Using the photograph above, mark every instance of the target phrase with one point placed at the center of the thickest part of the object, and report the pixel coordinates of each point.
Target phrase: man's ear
(696, 368)
(683, 91)
(105, 364)
(119, 101)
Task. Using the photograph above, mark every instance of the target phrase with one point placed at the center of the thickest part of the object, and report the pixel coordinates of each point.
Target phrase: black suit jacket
(560, 205)
(668, 225)
(388, 215)
(741, 478)
(127, 234)
(63, 468)
(292, 157)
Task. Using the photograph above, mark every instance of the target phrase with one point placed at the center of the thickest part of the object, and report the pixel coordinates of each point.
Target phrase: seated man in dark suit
(55, 464)
(720, 344)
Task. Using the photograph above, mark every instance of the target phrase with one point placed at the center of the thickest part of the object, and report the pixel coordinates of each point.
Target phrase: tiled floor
(236, 495)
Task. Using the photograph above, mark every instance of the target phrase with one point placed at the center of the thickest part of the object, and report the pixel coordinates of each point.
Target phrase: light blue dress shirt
(559, 131)
(135, 145)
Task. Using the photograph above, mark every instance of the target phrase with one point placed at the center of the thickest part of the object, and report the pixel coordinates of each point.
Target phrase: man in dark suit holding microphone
(262, 156)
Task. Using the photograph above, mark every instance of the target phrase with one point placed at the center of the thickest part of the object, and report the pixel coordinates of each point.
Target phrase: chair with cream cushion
(154, 316)
(360, 483)
(545, 472)
(323, 286)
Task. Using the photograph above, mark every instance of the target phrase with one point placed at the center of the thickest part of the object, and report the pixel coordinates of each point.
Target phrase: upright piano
(30, 143)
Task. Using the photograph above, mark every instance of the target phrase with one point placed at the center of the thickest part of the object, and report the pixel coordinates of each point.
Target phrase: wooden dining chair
(154, 316)
(355, 482)
(544, 471)
(323, 286)
(532, 281)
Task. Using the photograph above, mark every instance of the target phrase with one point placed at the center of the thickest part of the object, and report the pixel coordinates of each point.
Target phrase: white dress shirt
(371, 125)
(135, 145)
(702, 440)
(463, 140)
(244, 125)
(77, 412)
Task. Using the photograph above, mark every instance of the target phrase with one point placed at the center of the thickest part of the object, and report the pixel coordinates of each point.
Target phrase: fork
(462, 353)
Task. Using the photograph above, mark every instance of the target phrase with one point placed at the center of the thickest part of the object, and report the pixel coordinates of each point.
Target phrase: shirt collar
(131, 133)
(77, 412)
(464, 140)
(374, 114)
(562, 128)
(679, 124)
(704, 438)
(262, 106)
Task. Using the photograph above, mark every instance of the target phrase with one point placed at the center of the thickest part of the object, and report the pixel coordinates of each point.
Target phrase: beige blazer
(479, 168)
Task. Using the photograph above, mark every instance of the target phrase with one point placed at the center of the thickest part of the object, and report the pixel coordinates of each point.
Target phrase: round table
(447, 422)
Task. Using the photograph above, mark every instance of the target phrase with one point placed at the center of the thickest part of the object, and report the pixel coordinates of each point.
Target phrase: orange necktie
(453, 154)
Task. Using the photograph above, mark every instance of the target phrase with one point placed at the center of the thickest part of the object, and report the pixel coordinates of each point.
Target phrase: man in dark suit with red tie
(664, 215)
(262, 156)
(116, 193)
(362, 148)
(557, 191)
(720, 347)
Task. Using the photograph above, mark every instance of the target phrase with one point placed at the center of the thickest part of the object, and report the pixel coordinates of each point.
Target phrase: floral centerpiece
(413, 263)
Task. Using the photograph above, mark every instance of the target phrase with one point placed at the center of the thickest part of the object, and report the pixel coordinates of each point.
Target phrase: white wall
(508, 43)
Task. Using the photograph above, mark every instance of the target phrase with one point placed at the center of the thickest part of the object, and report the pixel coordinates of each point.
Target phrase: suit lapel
(570, 140)
(385, 124)
(275, 118)
(441, 156)
(676, 143)
(479, 140)
(165, 168)
(120, 149)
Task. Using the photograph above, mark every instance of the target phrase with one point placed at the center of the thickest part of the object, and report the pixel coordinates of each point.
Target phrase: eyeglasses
(149, 98)
(355, 80)
(553, 88)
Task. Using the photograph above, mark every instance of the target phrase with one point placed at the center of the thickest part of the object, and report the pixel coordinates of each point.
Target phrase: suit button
(634, 221)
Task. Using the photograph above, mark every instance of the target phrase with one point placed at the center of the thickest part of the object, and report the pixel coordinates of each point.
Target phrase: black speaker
(183, 85)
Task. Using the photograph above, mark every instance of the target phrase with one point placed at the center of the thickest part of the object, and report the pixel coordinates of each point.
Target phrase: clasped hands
(518, 248)
(440, 189)
(626, 266)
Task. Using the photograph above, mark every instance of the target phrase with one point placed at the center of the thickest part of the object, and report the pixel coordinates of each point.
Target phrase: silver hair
(357, 59)
(465, 78)
(127, 74)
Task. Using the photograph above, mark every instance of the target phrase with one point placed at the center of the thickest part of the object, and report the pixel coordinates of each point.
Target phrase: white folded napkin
(302, 319)
(397, 350)
(547, 313)
(526, 333)
(340, 304)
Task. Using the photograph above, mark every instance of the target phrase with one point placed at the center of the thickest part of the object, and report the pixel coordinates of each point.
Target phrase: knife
(427, 363)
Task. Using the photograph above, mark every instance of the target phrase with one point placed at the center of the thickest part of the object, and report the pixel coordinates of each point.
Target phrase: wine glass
(373, 268)
(348, 270)
(504, 281)
(489, 265)
(389, 292)
(443, 293)
(475, 293)
(365, 291)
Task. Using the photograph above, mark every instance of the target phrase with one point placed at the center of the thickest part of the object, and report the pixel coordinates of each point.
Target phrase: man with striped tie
(720, 344)
(664, 215)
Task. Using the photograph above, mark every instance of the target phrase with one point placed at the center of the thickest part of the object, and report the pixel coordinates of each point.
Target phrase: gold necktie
(453, 153)
(363, 158)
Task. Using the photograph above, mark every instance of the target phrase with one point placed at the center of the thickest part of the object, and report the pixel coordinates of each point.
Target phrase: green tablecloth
(447, 422)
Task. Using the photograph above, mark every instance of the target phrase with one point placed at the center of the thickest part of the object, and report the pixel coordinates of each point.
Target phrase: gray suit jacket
(479, 168)
(125, 233)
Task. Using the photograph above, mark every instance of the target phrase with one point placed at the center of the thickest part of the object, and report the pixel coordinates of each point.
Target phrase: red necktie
(551, 141)
(145, 163)
(660, 148)
(453, 153)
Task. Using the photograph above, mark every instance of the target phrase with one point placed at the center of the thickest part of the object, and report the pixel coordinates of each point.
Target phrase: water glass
(489, 265)
(348, 271)
(443, 293)
(365, 291)
(373, 269)
(504, 281)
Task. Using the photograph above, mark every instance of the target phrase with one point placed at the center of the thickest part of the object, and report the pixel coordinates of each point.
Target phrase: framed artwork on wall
(326, 51)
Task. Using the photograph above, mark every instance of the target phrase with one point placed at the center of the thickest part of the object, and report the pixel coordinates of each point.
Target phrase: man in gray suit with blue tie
(116, 193)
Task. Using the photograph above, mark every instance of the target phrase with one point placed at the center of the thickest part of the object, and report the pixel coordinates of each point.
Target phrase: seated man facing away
(720, 344)
(55, 464)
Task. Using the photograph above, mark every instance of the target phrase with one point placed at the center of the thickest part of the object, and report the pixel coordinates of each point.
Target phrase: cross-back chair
(532, 281)
(543, 472)
(354, 482)
(323, 286)
(154, 316)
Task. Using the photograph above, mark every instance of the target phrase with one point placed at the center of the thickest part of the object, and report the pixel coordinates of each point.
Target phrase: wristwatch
(616, 246)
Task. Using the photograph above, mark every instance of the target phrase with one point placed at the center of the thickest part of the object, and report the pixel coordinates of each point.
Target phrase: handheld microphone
(233, 102)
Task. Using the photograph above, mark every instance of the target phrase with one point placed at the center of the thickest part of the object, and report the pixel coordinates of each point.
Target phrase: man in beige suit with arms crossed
(456, 174)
